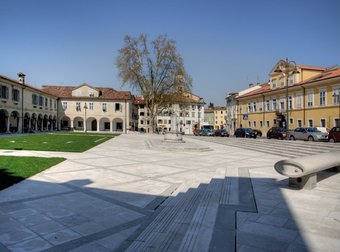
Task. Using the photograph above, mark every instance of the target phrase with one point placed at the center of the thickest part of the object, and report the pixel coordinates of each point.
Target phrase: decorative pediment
(85, 90)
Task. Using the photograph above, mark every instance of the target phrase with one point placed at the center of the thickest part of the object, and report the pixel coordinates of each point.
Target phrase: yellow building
(220, 118)
(310, 95)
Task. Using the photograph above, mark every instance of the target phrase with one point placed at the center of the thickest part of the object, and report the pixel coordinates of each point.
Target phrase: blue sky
(225, 44)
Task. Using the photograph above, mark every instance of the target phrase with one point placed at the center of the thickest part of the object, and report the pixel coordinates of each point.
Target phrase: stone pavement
(135, 193)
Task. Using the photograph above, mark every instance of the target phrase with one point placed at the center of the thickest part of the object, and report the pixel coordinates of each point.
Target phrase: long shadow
(7, 178)
(227, 214)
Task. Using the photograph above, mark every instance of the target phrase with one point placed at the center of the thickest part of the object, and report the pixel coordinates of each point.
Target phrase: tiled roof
(328, 73)
(106, 93)
(263, 88)
(25, 85)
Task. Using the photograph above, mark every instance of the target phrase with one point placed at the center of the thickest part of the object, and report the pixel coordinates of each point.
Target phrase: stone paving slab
(134, 193)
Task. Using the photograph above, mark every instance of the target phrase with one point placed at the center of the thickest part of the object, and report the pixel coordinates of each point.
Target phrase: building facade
(79, 108)
(188, 108)
(25, 108)
(96, 109)
(306, 97)
(220, 118)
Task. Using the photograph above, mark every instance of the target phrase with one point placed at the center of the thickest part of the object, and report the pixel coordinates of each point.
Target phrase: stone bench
(301, 171)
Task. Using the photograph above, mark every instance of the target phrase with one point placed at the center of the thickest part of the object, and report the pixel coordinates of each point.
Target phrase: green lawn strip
(16, 169)
(66, 142)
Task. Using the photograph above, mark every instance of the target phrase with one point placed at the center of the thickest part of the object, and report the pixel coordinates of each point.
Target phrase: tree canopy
(155, 69)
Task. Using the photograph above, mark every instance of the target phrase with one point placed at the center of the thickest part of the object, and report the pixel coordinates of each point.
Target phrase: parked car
(207, 132)
(245, 132)
(308, 134)
(257, 132)
(197, 132)
(279, 133)
(222, 133)
(334, 135)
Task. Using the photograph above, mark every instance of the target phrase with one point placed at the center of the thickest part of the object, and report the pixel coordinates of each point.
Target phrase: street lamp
(336, 95)
(85, 108)
(286, 67)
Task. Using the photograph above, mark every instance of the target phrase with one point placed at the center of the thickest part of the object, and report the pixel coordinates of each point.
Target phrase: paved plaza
(137, 193)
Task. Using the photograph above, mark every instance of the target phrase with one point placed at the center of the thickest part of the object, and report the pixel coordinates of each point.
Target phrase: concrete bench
(301, 171)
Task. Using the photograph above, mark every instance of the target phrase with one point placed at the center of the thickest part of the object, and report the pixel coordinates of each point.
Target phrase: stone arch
(3, 120)
(14, 122)
(40, 122)
(104, 124)
(65, 123)
(45, 122)
(34, 120)
(27, 122)
(118, 124)
(78, 123)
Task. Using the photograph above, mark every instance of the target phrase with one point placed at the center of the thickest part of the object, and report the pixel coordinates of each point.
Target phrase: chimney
(21, 78)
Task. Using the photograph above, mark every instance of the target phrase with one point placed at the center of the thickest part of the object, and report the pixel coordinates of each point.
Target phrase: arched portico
(27, 122)
(4, 121)
(34, 121)
(104, 124)
(65, 123)
(45, 123)
(14, 122)
(40, 122)
(118, 125)
(78, 123)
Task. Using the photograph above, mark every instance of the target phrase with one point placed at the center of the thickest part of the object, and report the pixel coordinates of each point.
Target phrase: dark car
(257, 132)
(245, 132)
(222, 133)
(279, 133)
(334, 135)
(207, 132)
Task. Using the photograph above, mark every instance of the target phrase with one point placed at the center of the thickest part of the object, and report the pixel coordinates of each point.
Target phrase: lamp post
(286, 67)
(85, 108)
(336, 95)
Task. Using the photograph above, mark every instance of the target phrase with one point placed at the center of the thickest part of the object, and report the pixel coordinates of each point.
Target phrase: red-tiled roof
(106, 93)
(25, 85)
(328, 73)
(263, 88)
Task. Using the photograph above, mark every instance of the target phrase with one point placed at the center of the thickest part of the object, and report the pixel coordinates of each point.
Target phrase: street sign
(245, 116)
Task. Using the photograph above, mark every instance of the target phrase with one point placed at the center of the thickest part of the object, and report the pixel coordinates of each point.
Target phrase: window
(290, 102)
(322, 98)
(50, 103)
(192, 114)
(282, 82)
(15, 95)
(282, 105)
(91, 94)
(249, 124)
(298, 101)
(78, 106)
(118, 107)
(310, 99)
(141, 113)
(274, 122)
(160, 121)
(64, 105)
(41, 101)
(299, 123)
(291, 121)
(267, 123)
(336, 95)
(104, 107)
(254, 106)
(55, 104)
(4, 92)
(261, 124)
(141, 122)
(254, 123)
(34, 99)
(310, 123)
(292, 79)
(322, 122)
(91, 106)
(274, 104)
(267, 105)
(250, 108)
(273, 83)
(46, 102)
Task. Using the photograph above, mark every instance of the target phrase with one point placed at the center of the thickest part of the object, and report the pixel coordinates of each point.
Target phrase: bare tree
(155, 69)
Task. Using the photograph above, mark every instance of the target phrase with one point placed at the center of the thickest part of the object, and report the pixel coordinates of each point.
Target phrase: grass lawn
(67, 142)
(16, 169)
